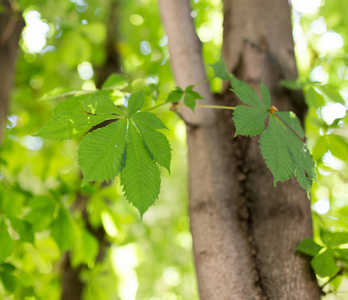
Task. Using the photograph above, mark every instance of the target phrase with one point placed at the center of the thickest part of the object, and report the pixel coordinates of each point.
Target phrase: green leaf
(313, 98)
(68, 106)
(330, 92)
(341, 253)
(63, 231)
(290, 119)
(220, 70)
(135, 102)
(94, 31)
(100, 152)
(175, 96)
(332, 239)
(9, 280)
(275, 150)
(246, 93)
(24, 230)
(249, 121)
(115, 81)
(86, 249)
(321, 147)
(338, 146)
(189, 101)
(157, 143)
(286, 155)
(68, 125)
(324, 264)
(195, 95)
(149, 119)
(305, 168)
(140, 177)
(309, 247)
(266, 97)
(6, 243)
(101, 104)
(41, 212)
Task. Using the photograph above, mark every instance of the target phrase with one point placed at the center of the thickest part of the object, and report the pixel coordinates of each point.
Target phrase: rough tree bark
(10, 29)
(244, 230)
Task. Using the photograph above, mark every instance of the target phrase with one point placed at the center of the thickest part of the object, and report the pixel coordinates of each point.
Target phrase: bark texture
(10, 30)
(244, 230)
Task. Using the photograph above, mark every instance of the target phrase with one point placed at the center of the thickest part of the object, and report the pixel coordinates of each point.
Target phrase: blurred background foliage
(73, 45)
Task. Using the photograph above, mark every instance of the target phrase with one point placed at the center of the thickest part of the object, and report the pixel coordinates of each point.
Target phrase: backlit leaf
(6, 243)
(140, 177)
(309, 247)
(68, 125)
(135, 102)
(115, 81)
(324, 264)
(62, 230)
(157, 143)
(100, 152)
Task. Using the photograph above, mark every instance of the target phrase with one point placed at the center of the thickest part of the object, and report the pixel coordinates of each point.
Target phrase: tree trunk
(10, 30)
(244, 230)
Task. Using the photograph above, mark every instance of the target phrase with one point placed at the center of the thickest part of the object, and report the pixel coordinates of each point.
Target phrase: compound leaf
(68, 125)
(249, 121)
(100, 152)
(140, 177)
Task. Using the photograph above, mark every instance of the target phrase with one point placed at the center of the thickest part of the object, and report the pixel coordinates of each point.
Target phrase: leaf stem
(213, 106)
(201, 82)
(156, 106)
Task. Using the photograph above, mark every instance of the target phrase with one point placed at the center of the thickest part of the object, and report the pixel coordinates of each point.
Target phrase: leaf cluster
(281, 141)
(125, 142)
(330, 254)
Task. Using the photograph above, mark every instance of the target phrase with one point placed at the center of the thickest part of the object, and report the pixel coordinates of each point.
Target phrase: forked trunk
(244, 230)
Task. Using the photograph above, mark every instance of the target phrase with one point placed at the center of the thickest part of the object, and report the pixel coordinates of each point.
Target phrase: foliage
(40, 181)
(132, 145)
(129, 147)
